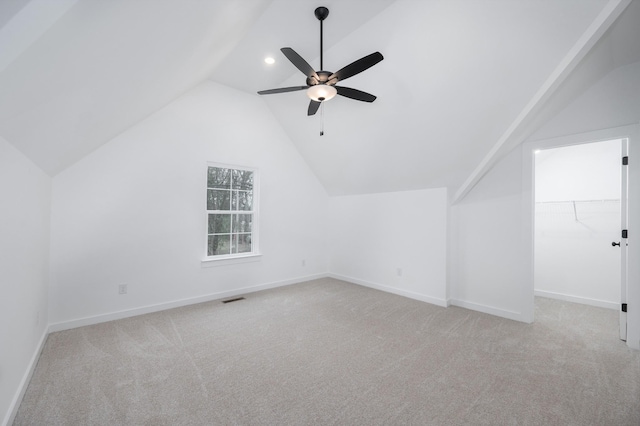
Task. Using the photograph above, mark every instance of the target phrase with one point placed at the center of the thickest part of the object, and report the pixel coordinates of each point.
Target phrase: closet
(577, 218)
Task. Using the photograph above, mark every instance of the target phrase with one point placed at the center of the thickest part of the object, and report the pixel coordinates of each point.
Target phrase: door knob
(615, 244)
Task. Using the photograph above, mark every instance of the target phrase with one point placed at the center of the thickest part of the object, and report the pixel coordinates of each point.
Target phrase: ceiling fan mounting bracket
(321, 13)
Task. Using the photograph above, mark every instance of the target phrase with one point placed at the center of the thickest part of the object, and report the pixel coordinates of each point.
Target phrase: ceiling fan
(321, 85)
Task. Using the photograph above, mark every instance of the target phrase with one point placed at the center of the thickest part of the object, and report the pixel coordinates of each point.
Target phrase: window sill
(224, 261)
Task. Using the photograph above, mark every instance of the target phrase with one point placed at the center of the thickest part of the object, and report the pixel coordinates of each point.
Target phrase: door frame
(528, 210)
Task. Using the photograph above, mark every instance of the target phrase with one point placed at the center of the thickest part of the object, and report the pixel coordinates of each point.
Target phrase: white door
(623, 240)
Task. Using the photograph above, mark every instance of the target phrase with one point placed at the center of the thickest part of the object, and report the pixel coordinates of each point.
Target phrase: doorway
(577, 201)
(630, 207)
(531, 151)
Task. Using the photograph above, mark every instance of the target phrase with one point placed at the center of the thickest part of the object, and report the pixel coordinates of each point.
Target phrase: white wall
(589, 171)
(133, 212)
(24, 259)
(392, 241)
(488, 270)
(574, 259)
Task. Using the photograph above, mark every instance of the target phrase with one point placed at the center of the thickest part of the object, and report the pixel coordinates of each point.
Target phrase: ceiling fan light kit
(321, 85)
(321, 92)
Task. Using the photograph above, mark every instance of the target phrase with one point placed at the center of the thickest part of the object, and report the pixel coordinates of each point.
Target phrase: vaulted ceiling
(462, 80)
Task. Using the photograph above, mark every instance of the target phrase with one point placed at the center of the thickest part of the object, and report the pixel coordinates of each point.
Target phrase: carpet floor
(331, 353)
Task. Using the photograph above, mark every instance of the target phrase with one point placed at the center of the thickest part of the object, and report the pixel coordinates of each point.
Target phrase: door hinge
(625, 233)
(625, 161)
(624, 307)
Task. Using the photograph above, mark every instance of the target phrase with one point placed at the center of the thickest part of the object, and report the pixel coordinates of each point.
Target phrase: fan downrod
(321, 13)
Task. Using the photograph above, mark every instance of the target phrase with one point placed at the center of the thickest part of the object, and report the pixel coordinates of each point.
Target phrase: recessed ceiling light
(269, 60)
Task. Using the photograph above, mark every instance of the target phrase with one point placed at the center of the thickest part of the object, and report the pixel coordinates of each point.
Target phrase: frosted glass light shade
(321, 92)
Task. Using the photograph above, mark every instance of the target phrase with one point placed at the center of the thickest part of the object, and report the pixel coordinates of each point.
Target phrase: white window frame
(233, 258)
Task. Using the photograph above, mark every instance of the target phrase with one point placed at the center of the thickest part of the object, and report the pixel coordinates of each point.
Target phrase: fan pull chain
(322, 119)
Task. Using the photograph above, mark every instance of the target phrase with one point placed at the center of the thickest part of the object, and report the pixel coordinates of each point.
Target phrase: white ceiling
(610, 72)
(456, 75)
(9, 9)
(105, 65)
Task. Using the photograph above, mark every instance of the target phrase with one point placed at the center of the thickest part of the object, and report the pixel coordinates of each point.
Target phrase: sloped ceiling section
(456, 74)
(604, 90)
(105, 65)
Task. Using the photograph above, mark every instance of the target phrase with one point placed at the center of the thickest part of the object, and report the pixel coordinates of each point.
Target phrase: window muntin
(231, 211)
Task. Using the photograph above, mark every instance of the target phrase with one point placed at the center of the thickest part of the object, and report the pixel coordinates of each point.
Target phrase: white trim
(24, 383)
(504, 313)
(81, 322)
(231, 260)
(527, 203)
(577, 299)
(633, 271)
(583, 46)
(602, 135)
(387, 289)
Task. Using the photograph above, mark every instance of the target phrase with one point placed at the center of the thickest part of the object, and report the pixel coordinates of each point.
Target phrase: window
(231, 212)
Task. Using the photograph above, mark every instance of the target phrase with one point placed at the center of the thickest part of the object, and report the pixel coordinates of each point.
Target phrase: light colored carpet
(332, 353)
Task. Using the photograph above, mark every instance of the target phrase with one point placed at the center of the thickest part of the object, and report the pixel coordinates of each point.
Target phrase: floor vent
(233, 300)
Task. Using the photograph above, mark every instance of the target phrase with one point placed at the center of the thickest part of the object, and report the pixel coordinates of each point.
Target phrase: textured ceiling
(456, 75)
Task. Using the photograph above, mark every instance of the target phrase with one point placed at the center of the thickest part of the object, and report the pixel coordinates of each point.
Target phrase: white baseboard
(81, 322)
(24, 383)
(516, 316)
(577, 299)
(399, 292)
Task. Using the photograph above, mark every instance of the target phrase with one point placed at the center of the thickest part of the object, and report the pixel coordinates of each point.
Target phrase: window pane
(219, 178)
(242, 179)
(219, 223)
(218, 199)
(242, 243)
(242, 223)
(219, 244)
(242, 200)
(229, 190)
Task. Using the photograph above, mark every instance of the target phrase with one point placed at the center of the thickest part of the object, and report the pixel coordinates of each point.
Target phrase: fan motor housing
(323, 78)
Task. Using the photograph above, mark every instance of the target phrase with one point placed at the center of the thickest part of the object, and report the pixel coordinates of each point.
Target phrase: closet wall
(577, 218)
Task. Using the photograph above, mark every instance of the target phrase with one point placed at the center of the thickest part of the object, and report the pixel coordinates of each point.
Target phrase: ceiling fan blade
(313, 107)
(282, 90)
(356, 94)
(299, 62)
(357, 66)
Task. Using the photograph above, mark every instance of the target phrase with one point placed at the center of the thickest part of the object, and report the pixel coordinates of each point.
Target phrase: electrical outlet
(122, 289)
(399, 271)
(304, 262)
